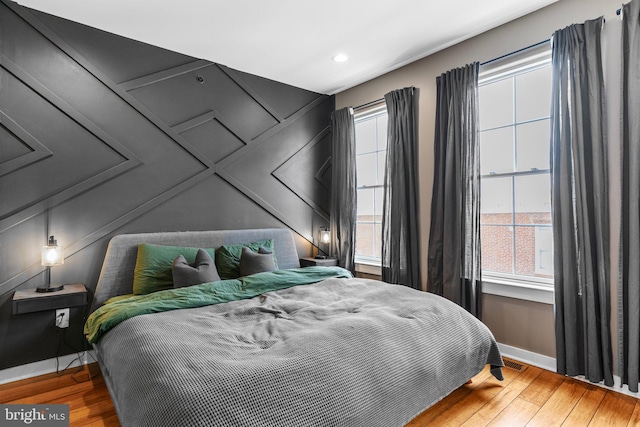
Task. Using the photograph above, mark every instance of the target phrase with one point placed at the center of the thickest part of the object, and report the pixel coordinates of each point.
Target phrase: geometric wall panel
(283, 99)
(211, 137)
(140, 139)
(18, 148)
(300, 173)
(11, 146)
(40, 116)
(207, 88)
(324, 174)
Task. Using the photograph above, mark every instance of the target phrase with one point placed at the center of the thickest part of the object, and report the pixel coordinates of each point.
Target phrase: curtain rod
(515, 51)
(487, 62)
(618, 12)
(368, 104)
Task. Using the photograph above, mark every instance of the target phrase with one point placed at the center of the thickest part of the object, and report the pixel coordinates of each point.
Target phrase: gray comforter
(342, 352)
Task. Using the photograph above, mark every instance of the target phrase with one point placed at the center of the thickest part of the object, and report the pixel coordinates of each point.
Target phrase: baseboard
(549, 363)
(42, 367)
(528, 357)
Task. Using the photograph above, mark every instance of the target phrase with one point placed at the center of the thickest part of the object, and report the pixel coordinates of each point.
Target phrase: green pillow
(153, 266)
(228, 257)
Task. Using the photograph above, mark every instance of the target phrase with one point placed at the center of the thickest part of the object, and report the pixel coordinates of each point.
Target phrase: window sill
(503, 287)
(369, 267)
(520, 290)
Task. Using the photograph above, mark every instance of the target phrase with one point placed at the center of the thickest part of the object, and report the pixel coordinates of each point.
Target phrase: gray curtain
(342, 223)
(400, 232)
(629, 291)
(580, 213)
(454, 239)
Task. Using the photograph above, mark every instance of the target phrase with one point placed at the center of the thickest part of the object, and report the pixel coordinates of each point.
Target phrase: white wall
(505, 39)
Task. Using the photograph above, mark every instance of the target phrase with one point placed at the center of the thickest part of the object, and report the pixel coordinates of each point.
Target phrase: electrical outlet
(62, 318)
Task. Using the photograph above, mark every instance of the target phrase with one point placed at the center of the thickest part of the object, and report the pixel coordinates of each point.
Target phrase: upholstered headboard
(116, 276)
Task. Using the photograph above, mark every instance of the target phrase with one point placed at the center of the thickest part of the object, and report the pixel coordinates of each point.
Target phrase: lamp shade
(52, 253)
(325, 235)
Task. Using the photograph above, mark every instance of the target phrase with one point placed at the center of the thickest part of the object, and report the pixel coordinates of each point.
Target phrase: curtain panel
(629, 285)
(342, 223)
(454, 239)
(580, 213)
(400, 220)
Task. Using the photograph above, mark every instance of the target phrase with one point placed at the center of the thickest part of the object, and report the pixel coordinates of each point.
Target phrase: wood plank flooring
(529, 397)
(532, 397)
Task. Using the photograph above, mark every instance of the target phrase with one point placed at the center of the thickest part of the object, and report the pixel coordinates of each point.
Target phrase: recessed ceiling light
(341, 57)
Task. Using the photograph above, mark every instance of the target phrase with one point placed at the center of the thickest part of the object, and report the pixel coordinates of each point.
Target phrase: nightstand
(310, 262)
(73, 295)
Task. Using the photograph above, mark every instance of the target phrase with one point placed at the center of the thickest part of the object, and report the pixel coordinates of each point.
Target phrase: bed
(313, 347)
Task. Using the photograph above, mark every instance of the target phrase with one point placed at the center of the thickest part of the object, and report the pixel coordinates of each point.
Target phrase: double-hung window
(516, 232)
(371, 151)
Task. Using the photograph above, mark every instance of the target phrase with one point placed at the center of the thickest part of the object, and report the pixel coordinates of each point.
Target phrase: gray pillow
(252, 262)
(203, 270)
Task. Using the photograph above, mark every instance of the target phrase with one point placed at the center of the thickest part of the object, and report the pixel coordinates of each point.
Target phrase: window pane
(495, 195)
(533, 94)
(364, 240)
(379, 194)
(378, 241)
(382, 132)
(366, 169)
(533, 194)
(525, 250)
(533, 218)
(366, 136)
(496, 104)
(365, 204)
(534, 251)
(382, 158)
(496, 151)
(497, 248)
(533, 145)
(544, 252)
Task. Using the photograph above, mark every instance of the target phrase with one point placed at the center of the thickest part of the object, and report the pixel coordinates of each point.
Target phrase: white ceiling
(294, 41)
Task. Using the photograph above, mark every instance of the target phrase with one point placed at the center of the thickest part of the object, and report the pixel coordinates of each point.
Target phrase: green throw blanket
(120, 309)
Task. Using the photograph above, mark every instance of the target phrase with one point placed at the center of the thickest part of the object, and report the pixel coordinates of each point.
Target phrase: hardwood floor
(83, 389)
(530, 397)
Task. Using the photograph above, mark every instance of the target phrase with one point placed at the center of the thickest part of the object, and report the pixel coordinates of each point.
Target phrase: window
(371, 151)
(516, 231)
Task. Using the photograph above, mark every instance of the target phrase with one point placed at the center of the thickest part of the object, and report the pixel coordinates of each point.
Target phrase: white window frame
(364, 264)
(530, 288)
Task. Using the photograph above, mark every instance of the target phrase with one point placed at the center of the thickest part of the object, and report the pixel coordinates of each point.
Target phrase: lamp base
(49, 288)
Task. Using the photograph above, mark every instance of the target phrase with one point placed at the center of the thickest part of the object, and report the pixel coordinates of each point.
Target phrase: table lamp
(51, 255)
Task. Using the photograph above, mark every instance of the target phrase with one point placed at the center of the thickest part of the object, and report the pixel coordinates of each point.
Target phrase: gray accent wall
(102, 135)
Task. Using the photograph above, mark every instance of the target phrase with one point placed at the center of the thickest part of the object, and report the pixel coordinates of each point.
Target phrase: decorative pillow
(228, 257)
(203, 270)
(153, 266)
(252, 263)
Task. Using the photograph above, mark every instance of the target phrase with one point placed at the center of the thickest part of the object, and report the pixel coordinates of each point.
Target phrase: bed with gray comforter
(337, 352)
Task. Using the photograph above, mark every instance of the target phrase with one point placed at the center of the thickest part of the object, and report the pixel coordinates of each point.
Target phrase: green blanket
(120, 309)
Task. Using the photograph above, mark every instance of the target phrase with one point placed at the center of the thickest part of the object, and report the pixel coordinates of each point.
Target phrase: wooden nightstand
(73, 295)
(310, 262)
